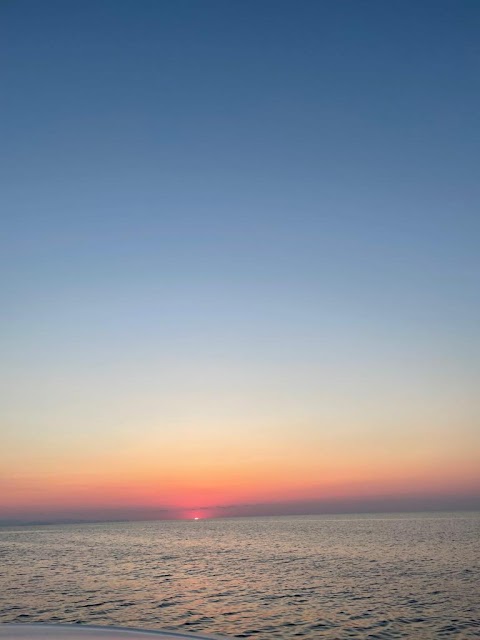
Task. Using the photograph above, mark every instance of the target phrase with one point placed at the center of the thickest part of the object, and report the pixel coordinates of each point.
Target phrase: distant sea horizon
(472, 511)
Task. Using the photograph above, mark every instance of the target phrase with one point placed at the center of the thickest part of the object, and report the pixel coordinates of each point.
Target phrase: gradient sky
(240, 255)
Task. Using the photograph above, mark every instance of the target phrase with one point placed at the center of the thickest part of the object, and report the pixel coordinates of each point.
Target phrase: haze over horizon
(239, 257)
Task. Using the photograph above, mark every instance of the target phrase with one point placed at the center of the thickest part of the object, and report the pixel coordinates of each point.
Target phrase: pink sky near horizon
(209, 477)
(166, 451)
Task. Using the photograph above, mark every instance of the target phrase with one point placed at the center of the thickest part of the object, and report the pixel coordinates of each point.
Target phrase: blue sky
(270, 207)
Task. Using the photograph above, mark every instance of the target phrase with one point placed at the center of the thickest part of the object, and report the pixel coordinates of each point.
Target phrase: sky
(239, 257)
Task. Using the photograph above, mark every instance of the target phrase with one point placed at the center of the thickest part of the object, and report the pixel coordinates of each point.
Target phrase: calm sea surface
(398, 576)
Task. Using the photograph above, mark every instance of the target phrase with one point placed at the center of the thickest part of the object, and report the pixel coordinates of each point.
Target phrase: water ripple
(365, 577)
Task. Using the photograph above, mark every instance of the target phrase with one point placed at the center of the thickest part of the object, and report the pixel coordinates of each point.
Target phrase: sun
(196, 518)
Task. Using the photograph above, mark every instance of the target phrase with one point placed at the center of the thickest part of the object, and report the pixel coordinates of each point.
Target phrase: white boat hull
(87, 632)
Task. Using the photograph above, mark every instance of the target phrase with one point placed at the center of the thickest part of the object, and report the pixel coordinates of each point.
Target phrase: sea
(366, 576)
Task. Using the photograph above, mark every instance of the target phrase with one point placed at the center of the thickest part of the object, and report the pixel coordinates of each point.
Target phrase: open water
(398, 576)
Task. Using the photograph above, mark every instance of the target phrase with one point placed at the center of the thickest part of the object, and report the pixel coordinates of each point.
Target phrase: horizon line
(75, 520)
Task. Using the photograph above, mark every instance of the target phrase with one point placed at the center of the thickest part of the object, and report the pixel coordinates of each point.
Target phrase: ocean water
(399, 576)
